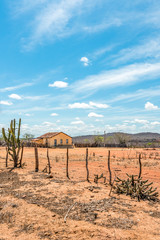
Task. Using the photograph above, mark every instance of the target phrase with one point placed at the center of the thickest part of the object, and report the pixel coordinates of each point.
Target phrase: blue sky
(80, 66)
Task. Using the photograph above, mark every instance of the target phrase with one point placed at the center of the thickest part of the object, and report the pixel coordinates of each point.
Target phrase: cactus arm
(19, 131)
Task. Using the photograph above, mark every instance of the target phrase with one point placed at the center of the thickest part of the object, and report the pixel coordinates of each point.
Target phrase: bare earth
(33, 205)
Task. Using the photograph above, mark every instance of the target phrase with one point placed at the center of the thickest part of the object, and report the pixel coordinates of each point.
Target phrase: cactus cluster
(97, 177)
(12, 139)
(136, 188)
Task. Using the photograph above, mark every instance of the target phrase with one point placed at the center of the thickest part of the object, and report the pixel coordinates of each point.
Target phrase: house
(54, 139)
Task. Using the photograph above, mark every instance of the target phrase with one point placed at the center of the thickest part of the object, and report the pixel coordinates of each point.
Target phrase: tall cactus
(12, 139)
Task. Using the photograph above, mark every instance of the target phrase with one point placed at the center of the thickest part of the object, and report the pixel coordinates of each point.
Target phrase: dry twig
(65, 218)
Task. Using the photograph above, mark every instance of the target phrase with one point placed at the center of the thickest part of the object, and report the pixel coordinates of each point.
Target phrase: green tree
(98, 140)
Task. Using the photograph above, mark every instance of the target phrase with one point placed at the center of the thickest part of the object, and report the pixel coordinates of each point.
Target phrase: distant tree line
(117, 140)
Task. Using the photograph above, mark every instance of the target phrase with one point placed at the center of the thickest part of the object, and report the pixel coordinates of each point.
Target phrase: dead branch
(65, 218)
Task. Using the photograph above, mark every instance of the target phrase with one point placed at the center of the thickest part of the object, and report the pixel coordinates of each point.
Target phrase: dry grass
(33, 206)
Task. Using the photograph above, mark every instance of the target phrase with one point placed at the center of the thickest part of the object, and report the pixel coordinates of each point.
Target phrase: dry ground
(33, 206)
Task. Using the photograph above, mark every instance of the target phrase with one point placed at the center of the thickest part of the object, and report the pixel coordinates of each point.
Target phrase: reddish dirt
(33, 206)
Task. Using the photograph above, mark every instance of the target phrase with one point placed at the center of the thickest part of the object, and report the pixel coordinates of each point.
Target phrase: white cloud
(99, 52)
(59, 84)
(6, 103)
(55, 19)
(150, 106)
(23, 85)
(48, 124)
(155, 123)
(98, 105)
(77, 122)
(88, 105)
(117, 77)
(52, 19)
(54, 114)
(35, 98)
(141, 93)
(102, 26)
(141, 121)
(79, 105)
(27, 114)
(15, 96)
(120, 127)
(23, 6)
(92, 114)
(149, 49)
(85, 61)
(98, 120)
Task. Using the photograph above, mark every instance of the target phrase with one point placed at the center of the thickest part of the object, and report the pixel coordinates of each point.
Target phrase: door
(55, 142)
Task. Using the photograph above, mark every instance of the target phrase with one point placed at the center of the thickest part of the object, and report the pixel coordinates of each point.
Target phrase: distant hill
(143, 137)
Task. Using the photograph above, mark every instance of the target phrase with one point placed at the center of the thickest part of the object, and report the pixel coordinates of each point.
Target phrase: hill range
(143, 137)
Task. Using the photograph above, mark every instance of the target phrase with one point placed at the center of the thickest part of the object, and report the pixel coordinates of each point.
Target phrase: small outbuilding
(54, 139)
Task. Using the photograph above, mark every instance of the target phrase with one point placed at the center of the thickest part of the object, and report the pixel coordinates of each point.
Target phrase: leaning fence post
(87, 164)
(67, 174)
(140, 166)
(36, 160)
(6, 157)
(49, 164)
(109, 169)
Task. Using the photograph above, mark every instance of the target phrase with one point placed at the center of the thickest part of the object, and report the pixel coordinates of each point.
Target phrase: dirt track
(33, 206)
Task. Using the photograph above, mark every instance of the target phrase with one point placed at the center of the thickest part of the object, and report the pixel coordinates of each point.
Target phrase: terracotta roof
(48, 135)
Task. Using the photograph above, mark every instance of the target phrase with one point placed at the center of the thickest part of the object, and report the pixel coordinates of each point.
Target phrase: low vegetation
(136, 188)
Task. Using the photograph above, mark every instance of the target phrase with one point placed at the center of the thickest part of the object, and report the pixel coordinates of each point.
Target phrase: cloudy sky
(80, 66)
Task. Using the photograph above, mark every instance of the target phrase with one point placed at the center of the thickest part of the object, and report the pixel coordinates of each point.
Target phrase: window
(66, 141)
(61, 141)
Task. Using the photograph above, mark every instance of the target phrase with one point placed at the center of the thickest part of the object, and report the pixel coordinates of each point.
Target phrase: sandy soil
(33, 205)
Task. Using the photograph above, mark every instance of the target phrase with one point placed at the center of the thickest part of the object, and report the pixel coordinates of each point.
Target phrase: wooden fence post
(109, 169)
(6, 157)
(36, 160)
(49, 164)
(87, 164)
(140, 166)
(67, 173)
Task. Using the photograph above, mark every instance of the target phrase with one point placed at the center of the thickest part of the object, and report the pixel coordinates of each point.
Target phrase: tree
(98, 140)
(28, 136)
(121, 139)
(110, 140)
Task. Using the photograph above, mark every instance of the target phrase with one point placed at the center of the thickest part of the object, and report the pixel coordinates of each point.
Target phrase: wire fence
(122, 161)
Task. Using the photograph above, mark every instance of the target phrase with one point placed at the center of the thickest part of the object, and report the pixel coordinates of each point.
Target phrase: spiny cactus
(99, 177)
(136, 188)
(12, 139)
